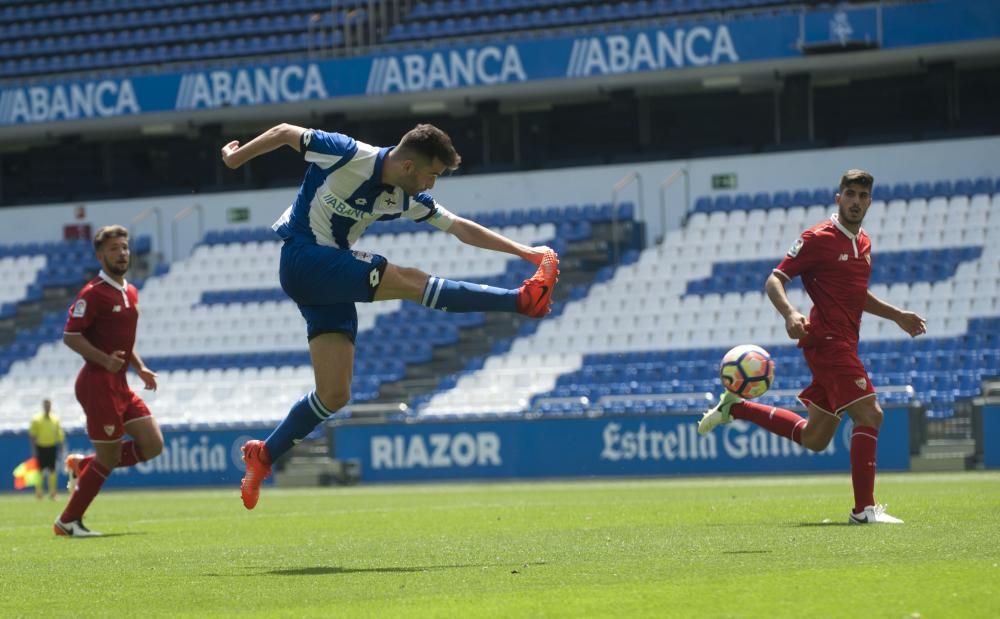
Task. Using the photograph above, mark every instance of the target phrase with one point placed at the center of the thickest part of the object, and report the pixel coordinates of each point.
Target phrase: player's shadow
(839, 523)
(107, 535)
(321, 571)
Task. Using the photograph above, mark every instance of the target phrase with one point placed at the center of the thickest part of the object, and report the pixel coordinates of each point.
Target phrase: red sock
(83, 463)
(775, 420)
(864, 440)
(87, 487)
(131, 455)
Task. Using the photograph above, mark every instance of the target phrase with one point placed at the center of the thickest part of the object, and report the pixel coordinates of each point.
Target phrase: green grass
(744, 547)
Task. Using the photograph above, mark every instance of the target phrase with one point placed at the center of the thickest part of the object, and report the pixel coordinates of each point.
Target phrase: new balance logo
(843, 258)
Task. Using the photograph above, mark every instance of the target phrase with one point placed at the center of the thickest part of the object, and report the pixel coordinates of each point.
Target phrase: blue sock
(451, 296)
(307, 413)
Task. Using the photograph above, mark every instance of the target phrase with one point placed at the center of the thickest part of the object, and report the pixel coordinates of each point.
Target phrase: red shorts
(108, 402)
(839, 377)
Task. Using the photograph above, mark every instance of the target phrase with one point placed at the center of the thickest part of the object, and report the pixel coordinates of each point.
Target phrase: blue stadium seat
(942, 189)
(802, 197)
(762, 200)
(963, 187)
(921, 190)
(881, 192)
(902, 191)
(983, 185)
(822, 196)
(742, 202)
(723, 203)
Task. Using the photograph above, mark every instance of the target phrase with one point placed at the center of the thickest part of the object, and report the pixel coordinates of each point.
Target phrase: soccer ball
(747, 371)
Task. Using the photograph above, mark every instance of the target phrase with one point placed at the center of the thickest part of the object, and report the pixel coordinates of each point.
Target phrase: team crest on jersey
(860, 382)
(109, 430)
(79, 308)
(796, 246)
(116, 308)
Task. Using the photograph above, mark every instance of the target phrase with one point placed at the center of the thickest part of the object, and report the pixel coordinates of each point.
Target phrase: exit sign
(724, 181)
(237, 214)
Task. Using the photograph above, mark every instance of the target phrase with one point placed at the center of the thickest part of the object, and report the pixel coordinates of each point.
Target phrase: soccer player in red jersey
(834, 260)
(101, 329)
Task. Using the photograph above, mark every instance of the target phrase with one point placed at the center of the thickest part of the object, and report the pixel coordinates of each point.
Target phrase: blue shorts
(326, 282)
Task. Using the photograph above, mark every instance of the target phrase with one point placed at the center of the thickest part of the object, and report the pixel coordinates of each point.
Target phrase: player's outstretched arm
(234, 155)
(471, 233)
(147, 375)
(796, 324)
(910, 322)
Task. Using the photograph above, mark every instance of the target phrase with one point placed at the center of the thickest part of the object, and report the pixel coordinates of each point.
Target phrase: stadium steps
(955, 454)
(579, 266)
(30, 313)
(310, 465)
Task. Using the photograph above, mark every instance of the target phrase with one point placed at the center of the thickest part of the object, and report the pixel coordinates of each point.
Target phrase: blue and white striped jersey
(342, 194)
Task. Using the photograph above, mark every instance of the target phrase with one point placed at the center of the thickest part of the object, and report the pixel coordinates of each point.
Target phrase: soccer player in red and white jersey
(101, 329)
(833, 259)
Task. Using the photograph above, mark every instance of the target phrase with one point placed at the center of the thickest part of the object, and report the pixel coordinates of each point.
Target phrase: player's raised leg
(533, 298)
(780, 421)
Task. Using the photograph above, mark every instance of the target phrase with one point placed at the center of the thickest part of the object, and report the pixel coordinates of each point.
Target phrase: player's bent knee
(152, 448)
(334, 399)
(869, 413)
(815, 443)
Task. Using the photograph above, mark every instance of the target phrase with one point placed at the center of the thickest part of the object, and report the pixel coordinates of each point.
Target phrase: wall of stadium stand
(551, 370)
(930, 161)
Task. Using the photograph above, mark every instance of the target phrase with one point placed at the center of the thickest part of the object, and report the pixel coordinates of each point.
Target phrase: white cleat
(873, 514)
(74, 528)
(719, 414)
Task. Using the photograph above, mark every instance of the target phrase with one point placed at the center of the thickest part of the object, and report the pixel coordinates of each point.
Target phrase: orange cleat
(258, 463)
(534, 297)
(72, 470)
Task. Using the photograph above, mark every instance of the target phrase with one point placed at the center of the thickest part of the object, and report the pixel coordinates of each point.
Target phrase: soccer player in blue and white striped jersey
(349, 185)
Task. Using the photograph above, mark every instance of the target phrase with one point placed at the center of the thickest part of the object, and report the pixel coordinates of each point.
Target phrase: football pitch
(708, 547)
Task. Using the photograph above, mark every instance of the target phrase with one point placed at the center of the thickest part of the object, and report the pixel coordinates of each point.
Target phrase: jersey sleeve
(82, 312)
(422, 207)
(33, 428)
(326, 149)
(803, 254)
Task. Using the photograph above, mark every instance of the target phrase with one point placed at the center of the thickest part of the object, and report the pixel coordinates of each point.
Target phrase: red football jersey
(835, 266)
(106, 314)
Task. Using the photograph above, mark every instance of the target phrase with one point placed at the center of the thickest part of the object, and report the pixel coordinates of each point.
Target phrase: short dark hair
(109, 232)
(431, 143)
(857, 177)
